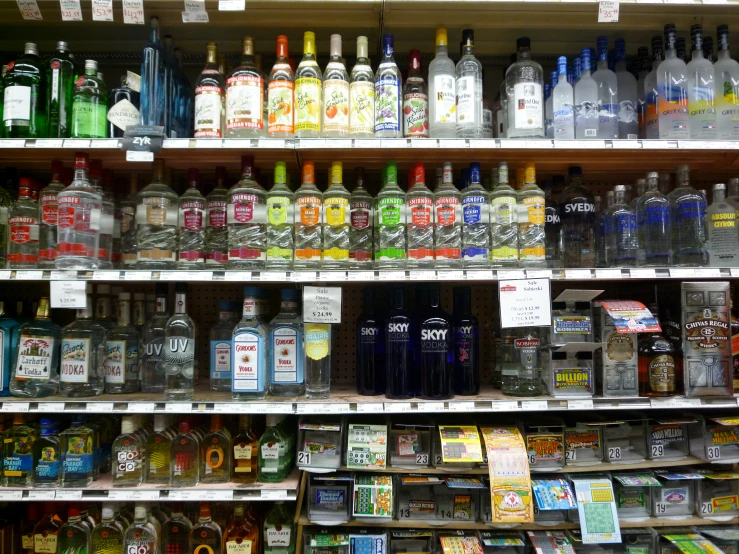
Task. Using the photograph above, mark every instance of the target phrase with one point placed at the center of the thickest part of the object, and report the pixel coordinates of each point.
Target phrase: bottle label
(216, 214)
(336, 106)
(416, 114)
(220, 359)
(90, 119)
(446, 99)
(245, 208)
(208, 109)
(124, 113)
(564, 121)
(361, 108)
(27, 542)
(533, 210)
(336, 211)
(662, 373)
(74, 214)
(447, 210)
(308, 104)
(44, 543)
(23, 230)
(75, 367)
(158, 212)
(243, 547)
(309, 211)
(47, 468)
(390, 212)
(214, 456)
(49, 209)
(17, 103)
(361, 214)
(154, 350)
(467, 100)
(421, 211)
(79, 456)
(474, 210)
(503, 210)
(317, 337)
(287, 361)
(115, 362)
(128, 213)
(242, 453)
(180, 352)
(192, 215)
(34, 358)
(245, 102)
(248, 363)
(280, 104)
(527, 107)
(279, 537)
(387, 104)
(279, 210)
(487, 123)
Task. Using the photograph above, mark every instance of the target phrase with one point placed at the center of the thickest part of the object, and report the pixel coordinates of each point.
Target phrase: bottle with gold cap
(280, 97)
(362, 94)
(336, 221)
(442, 91)
(36, 371)
(336, 93)
(308, 90)
(308, 217)
(531, 219)
(210, 97)
(280, 201)
(245, 96)
(157, 220)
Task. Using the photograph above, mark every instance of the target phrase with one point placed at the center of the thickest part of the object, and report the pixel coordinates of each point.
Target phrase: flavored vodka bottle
(179, 350)
(370, 346)
(672, 84)
(220, 346)
(250, 352)
(335, 93)
(448, 218)
(701, 83)
(628, 120)
(286, 348)
(107, 217)
(503, 221)
(308, 85)
(607, 94)
(641, 90)
(280, 101)
(475, 221)
(586, 101)
(563, 117)
(653, 219)
(726, 86)
(280, 200)
(245, 97)
(23, 225)
(400, 359)
(436, 355)
(9, 344)
(723, 238)
(48, 216)
(317, 360)
(247, 219)
(415, 101)
(210, 97)
(549, 104)
(388, 97)
(420, 221)
(524, 90)
(442, 91)
(336, 221)
(362, 224)
(122, 351)
(191, 253)
(620, 222)
(390, 211)
(689, 233)
(469, 89)
(156, 222)
(466, 344)
(216, 230)
(577, 211)
(531, 237)
(308, 219)
(153, 378)
(651, 91)
(362, 94)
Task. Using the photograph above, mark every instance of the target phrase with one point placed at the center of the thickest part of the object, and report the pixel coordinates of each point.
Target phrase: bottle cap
(523, 42)
(309, 172)
(719, 186)
(335, 46)
(415, 60)
(73, 510)
(289, 295)
(127, 425)
(362, 47)
(81, 160)
(530, 173)
(139, 512)
(247, 166)
(282, 51)
(160, 422)
(250, 291)
(562, 64)
(184, 426)
(475, 173)
(108, 511)
(215, 422)
(419, 173)
(468, 37)
(574, 170)
(387, 45)
(337, 176)
(441, 37)
(309, 43)
(391, 172)
(280, 173)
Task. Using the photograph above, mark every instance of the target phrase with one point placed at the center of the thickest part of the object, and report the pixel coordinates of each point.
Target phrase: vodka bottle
(362, 224)
(210, 97)
(390, 212)
(723, 238)
(420, 221)
(448, 218)
(576, 71)
(415, 101)
(308, 219)
(308, 103)
(336, 221)
(620, 227)
(549, 104)
(688, 210)
(191, 252)
(362, 94)
(335, 93)
(466, 344)
(74, 535)
(245, 97)
(531, 237)
(388, 97)
(286, 348)
(179, 350)
(127, 210)
(250, 352)
(370, 343)
(586, 101)
(607, 94)
(141, 536)
(653, 218)
(552, 226)
(436, 343)
(107, 216)
(680, 47)
(672, 84)
(475, 221)
(563, 117)
(442, 91)
(220, 346)
(577, 212)
(469, 89)
(701, 83)
(628, 120)
(399, 348)
(153, 377)
(644, 67)
(524, 90)
(23, 221)
(651, 91)
(9, 344)
(600, 228)
(726, 85)
(122, 351)
(247, 219)
(156, 222)
(503, 221)
(280, 94)
(216, 230)
(280, 200)
(317, 360)
(48, 216)
(501, 116)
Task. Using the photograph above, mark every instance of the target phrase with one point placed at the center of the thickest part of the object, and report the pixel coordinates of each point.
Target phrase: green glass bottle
(279, 530)
(24, 110)
(60, 75)
(275, 462)
(90, 104)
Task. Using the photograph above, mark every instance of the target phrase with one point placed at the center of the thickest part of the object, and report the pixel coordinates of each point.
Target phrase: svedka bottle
(399, 354)
(370, 348)
(436, 356)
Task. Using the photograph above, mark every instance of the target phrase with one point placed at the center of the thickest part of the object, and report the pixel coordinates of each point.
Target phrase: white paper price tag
(29, 10)
(178, 407)
(481, 274)
(194, 6)
(41, 495)
(99, 407)
(133, 81)
(106, 275)
(76, 143)
(608, 11)
(580, 404)
(271, 407)
(370, 407)
(682, 272)
(71, 10)
(505, 406)
(276, 494)
(328, 276)
(141, 407)
(422, 275)
(512, 274)
(453, 275)
(48, 407)
(137, 156)
(137, 276)
(392, 275)
(538, 273)
(11, 495)
(360, 275)
(237, 276)
(68, 495)
(431, 407)
(607, 273)
(68, 294)
(322, 304)
(461, 406)
(5, 275)
(534, 405)
(141, 495)
(133, 12)
(15, 407)
(48, 143)
(525, 303)
(642, 273)
(323, 408)
(707, 272)
(195, 17)
(102, 10)
(24, 275)
(398, 407)
(304, 276)
(279, 276)
(63, 275)
(231, 5)
(229, 407)
(577, 274)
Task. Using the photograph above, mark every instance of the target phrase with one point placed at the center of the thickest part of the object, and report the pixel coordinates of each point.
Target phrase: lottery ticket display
(366, 446)
(597, 509)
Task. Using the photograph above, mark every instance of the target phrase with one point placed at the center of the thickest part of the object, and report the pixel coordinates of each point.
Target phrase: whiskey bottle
(241, 536)
(657, 367)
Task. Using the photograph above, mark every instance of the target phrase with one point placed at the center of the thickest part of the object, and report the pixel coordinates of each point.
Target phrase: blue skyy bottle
(9, 339)
(152, 78)
(436, 354)
(370, 347)
(466, 344)
(399, 352)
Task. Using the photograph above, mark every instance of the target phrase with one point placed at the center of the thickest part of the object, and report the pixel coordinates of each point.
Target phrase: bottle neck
(288, 306)
(442, 50)
(161, 305)
(251, 308)
(124, 313)
(719, 195)
(180, 303)
(523, 53)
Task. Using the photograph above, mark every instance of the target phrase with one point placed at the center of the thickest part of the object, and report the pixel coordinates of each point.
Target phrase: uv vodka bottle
(399, 348)
(179, 350)
(280, 200)
(726, 85)
(651, 91)
(563, 117)
(641, 90)
(370, 346)
(308, 219)
(420, 221)
(620, 223)
(250, 352)
(628, 121)
(448, 218)
(122, 351)
(688, 210)
(362, 94)
(607, 94)
(672, 85)
(247, 219)
(723, 238)
(308, 102)
(577, 212)
(388, 97)
(524, 90)
(531, 237)
(442, 90)
(701, 82)
(390, 213)
(286, 348)
(475, 221)
(503, 221)
(466, 344)
(469, 89)
(586, 101)
(362, 224)
(436, 356)
(153, 376)
(549, 104)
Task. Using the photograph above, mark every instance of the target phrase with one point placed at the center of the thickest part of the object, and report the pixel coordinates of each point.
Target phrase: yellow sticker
(317, 337)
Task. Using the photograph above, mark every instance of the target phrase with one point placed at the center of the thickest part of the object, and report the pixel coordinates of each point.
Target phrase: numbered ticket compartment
(717, 496)
(366, 446)
(554, 499)
(715, 439)
(675, 499)
(458, 450)
(458, 499)
(410, 445)
(545, 445)
(416, 498)
(583, 445)
(324, 541)
(727, 540)
(373, 497)
(624, 442)
(502, 542)
(319, 444)
(633, 494)
(668, 439)
(330, 498)
(570, 374)
(616, 367)
(633, 541)
(368, 541)
(413, 541)
(665, 545)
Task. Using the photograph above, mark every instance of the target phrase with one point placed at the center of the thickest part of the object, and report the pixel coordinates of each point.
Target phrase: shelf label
(68, 495)
(273, 494)
(13, 143)
(577, 274)
(370, 407)
(48, 143)
(237, 276)
(15, 407)
(106, 275)
(511, 274)
(5, 275)
(71, 10)
(24, 275)
(431, 407)
(137, 275)
(231, 5)
(99, 407)
(68, 294)
(608, 274)
(280, 276)
(229, 407)
(585, 404)
(134, 156)
(41, 495)
(398, 407)
(11, 495)
(178, 407)
(361, 275)
(322, 305)
(30, 11)
(642, 273)
(102, 10)
(133, 12)
(608, 11)
(332, 276)
(114, 494)
(450, 275)
(534, 405)
(685, 273)
(392, 275)
(480, 274)
(461, 406)
(46, 407)
(538, 273)
(675, 402)
(323, 408)
(707, 272)
(141, 407)
(299, 276)
(63, 275)
(76, 143)
(271, 407)
(525, 303)
(425, 275)
(505, 406)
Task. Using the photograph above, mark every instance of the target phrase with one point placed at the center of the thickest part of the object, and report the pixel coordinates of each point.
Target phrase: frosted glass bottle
(442, 91)
(726, 85)
(701, 102)
(628, 120)
(607, 94)
(563, 122)
(586, 101)
(672, 85)
(525, 93)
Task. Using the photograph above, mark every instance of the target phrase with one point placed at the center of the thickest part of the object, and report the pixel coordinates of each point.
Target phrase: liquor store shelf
(365, 276)
(344, 400)
(103, 489)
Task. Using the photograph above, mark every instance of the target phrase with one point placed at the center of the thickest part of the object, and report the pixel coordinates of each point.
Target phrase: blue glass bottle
(171, 98)
(399, 351)
(466, 344)
(370, 348)
(152, 78)
(9, 338)
(436, 356)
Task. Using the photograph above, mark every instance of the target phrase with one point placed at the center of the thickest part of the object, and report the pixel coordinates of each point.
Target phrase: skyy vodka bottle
(726, 86)
(436, 356)
(475, 221)
(399, 348)
(563, 117)
(672, 85)
(370, 346)
(607, 94)
(586, 101)
(524, 89)
(448, 218)
(388, 97)
(628, 120)
(390, 213)
(442, 91)
(503, 221)
(701, 90)
(420, 221)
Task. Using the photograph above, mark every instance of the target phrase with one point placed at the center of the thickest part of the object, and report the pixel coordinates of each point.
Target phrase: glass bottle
(388, 97)
(390, 222)
(448, 219)
(77, 446)
(577, 212)
(586, 101)
(280, 243)
(210, 97)
(620, 222)
(436, 355)
(177, 532)
(723, 238)
(466, 344)
(286, 348)
(531, 221)
(122, 351)
(503, 221)
(152, 342)
(415, 101)
(206, 533)
(103, 312)
(362, 94)
(18, 443)
(36, 371)
(420, 221)
(216, 230)
(644, 68)
(179, 350)
(24, 109)
(23, 223)
(141, 536)
(400, 359)
(74, 535)
(220, 347)
(245, 452)
(275, 462)
(689, 233)
(469, 90)
(657, 366)
(701, 100)
(89, 104)
(247, 220)
(308, 219)
(281, 105)
(628, 121)
(127, 211)
(158, 452)
(60, 73)
(563, 118)
(152, 78)
(370, 341)
(8, 346)
(317, 364)
(521, 370)
(156, 222)
(245, 96)
(46, 531)
(191, 252)
(335, 93)
(107, 537)
(308, 103)
(215, 455)
(672, 84)
(336, 221)
(549, 103)
(726, 86)
(524, 83)
(607, 94)
(279, 530)
(123, 108)
(442, 91)
(48, 216)
(653, 220)
(184, 458)
(361, 216)
(129, 453)
(552, 223)
(250, 380)
(242, 535)
(652, 92)
(47, 457)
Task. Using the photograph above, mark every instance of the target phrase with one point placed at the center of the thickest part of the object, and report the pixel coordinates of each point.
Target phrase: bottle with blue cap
(586, 101)
(220, 346)
(475, 221)
(286, 348)
(388, 86)
(607, 94)
(249, 379)
(179, 350)
(563, 117)
(549, 104)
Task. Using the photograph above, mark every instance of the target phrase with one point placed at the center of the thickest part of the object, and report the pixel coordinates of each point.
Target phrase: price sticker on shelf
(434, 407)
(47, 407)
(195, 17)
(99, 407)
(102, 10)
(15, 407)
(71, 10)
(140, 495)
(534, 405)
(29, 10)
(133, 12)
(68, 495)
(11, 495)
(608, 11)
(273, 494)
(68, 294)
(133, 156)
(231, 5)
(41, 495)
(322, 304)
(370, 407)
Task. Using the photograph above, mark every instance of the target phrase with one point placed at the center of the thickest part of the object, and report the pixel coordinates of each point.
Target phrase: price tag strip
(133, 12)
(102, 10)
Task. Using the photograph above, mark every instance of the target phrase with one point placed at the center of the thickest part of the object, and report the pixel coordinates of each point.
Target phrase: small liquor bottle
(123, 108)
(657, 368)
(184, 453)
(89, 104)
(46, 531)
(176, 532)
(370, 348)
(77, 446)
(74, 536)
(18, 453)
(275, 461)
(46, 457)
(158, 452)
(128, 456)
(206, 534)
(215, 458)
(245, 453)
(279, 530)
(220, 346)
(242, 535)
(141, 536)
(108, 534)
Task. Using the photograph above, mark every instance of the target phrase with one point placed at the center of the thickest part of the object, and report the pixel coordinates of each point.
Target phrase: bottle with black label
(370, 348)
(657, 365)
(466, 344)
(437, 352)
(399, 352)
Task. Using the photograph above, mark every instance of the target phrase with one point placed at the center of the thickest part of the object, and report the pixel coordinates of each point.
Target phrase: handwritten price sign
(71, 10)
(102, 10)
(608, 11)
(133, 12)
(29, 10)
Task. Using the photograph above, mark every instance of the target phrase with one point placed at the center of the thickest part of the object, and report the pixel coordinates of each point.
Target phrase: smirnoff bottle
(362, 94)
(361, 218)
(280, 200)
(448, 218)
(420, 221)
(191, 254)
(308, 91)
(247, 218)
(415, 101)
(308, 218)
(216, 232)
(335, 93)
(245, 97)
(49, 213)
(388, 98)
(179, 350)
(156, 222)
(24, 229)
(210, 95)
(280, 94)
(390, 212)
(503, 221)
(336, 217)
(475, 221)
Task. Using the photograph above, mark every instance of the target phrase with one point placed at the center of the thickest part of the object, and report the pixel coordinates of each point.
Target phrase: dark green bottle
(24, 112)
(90, 104)
(60, 75)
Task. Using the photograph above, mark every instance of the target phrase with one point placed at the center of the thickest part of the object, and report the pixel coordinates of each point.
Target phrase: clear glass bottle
(77, 446)
(531, 221)
(210, 97)
(335, 93)
(215, 455)
(247, 220)
(36, 371)
(336, 221)
(726, 86)
(18, 443)
(153, 377)
(448, 219)
(60, 73)
(419, 202)
(129, 453)
(103, 312)
(184, 458)
(156, 222)
(206, 533)
(279, 530)
(577, 212)
(308, 220)
(723, 238)
(281, 104)
(415, 101)
(442, 90)
(689, 232)
(152, 78)
(549, 104)
(245, 451)
(644, 67)
(122, 351)
(607, 94)
(563, 100)
(48, 216)
(179, 350)
(250, 380)
(216, 229)
(90, 104)
(47, 457)
(107, 536)
(274, 460)
(672, 84)
(308, 85)
(586, 101)
(24, 110)
(127, 210)
(191, 251)
(620, 228)
(107, 216)
(388, 96)
(469, 89)
(390, 222)
(652, 92)
(245, 97)
(74, 536)
(286, 348)
(220, 347)
(8, 344)
(475, 221)
(280, 243)
(317, 365)
(23, 223)
(177, 531)
(653, 220)
(141, 536)
(158, 452)
(521, 370)
(524, 87)
(362, 94)
(701, 82)
(628, 120)
(362, 223)
(503, 221)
